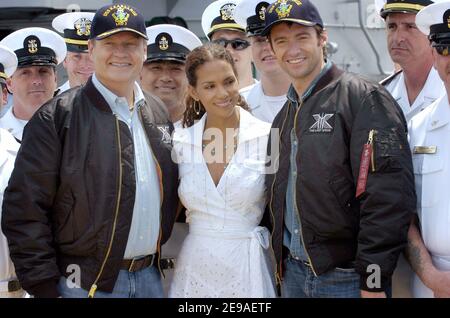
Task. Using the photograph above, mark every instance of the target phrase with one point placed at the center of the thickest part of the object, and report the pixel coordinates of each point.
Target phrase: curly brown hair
(206, 53)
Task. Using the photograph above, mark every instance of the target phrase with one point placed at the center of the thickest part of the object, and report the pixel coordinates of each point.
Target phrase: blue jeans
(145, 283)
(300, 282)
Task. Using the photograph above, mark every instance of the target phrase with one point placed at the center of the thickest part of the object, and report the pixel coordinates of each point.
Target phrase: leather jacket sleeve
(387, 205)
(27, 207)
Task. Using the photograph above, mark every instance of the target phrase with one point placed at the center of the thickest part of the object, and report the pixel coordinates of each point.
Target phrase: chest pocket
(428, 170)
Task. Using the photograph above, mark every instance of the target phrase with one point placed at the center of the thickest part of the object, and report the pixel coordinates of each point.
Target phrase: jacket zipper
(277, 273)
(370, 142)
(161, 189)
(295, 198)
(94, 285)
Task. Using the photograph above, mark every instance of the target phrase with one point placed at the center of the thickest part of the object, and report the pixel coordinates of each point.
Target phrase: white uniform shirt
(431, 129)
(12, 124)
(64, 87)
(8, 151)
(262, 106)
(432, 90)
(245, 90)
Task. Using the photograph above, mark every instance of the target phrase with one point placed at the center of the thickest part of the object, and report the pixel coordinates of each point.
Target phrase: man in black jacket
(93, 195)
(342, 191)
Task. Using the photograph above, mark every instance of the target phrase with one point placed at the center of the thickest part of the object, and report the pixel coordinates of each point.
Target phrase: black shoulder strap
(390, 78)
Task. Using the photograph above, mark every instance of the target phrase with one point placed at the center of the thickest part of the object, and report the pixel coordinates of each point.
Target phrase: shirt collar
(292, 93)
(112, 98)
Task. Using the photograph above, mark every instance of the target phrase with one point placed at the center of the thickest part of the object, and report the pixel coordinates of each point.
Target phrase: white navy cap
(36, 46)
(8, 63)
(170, 42)
(251, 15)
(384, 7)
(219, 15)
(76, 27)
(434, 21)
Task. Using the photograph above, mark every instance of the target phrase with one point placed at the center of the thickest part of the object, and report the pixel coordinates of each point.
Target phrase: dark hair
(167, 20)
(319, 32)
(206, 53)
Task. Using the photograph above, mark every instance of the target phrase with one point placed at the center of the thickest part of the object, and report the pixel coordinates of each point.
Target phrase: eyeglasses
(442, 49)
(236, 44)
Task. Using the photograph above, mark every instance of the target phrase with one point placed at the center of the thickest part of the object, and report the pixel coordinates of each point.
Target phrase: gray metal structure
(353, 25)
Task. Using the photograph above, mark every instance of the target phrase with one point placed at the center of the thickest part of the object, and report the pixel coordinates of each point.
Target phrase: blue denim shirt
(292, 236)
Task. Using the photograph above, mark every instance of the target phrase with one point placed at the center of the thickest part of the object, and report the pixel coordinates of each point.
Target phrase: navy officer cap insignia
(251, 15)
(112, 19)
(384, 7)
(76, 27)
(36, 47)
(219, 15)
(434, 21)
(8, 63)
(301, 12)
(170, 42)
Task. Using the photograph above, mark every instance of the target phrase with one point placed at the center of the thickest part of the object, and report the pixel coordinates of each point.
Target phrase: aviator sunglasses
(236, 44)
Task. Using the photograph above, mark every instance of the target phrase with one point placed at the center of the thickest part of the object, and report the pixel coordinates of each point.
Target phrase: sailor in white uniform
(267, 97)
(38, 51)
(220, 27)
(76, 27)
(417, 84)
(9, 285)
(163, 74)
(429, 131)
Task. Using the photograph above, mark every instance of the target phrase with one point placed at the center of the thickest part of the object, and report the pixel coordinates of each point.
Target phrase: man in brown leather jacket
(342, 195)
(93, 195)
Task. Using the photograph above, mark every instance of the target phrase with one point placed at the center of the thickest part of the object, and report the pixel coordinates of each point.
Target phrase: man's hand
(367, 294)
(439, 282)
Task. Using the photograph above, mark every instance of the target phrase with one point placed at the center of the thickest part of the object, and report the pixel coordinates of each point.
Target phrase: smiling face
(217, 88)
(299, 50)
(263, 57)
(118, 59)
(406, 44)
(165, 79)
(79, 67)
(31, 87)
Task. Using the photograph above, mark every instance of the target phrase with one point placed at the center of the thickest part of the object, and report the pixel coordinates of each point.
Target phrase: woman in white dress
(222, 162)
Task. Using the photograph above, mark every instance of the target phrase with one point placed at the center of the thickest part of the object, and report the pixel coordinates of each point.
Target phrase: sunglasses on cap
(442, 49)
(236, 44)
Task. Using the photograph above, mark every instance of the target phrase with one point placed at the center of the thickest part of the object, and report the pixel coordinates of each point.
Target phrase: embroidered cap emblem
(163, 44)
(262, 12)
(32, 46)
(120, 16)
(283, 9)
(83, 27)
(227, 11)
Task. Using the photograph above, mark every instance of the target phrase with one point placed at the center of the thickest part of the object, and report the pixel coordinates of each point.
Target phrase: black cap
(170, 42)
(251, 14)
(403, 6)
(36, 47)
(301, 12)
(440, 32)
(112, 19)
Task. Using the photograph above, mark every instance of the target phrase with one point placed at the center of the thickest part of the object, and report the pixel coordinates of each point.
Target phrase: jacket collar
(96, 97)
(332, 74)
(249, 128)
(441, 114)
